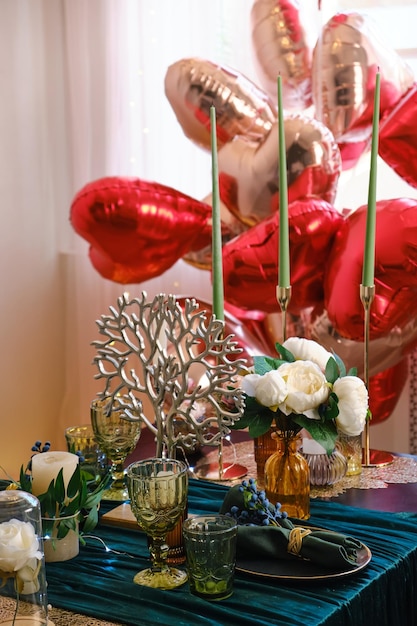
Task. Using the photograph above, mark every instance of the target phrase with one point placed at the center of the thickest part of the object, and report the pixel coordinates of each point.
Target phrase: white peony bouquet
(304, 387)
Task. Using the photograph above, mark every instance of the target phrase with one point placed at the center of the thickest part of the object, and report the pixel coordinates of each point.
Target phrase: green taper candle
(217, 261)
(284, 245)
(369, 251)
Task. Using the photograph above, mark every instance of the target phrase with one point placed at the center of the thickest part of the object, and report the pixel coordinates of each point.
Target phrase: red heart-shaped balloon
(138, 229)
(385, 390)
(398, 138)
(250, 261)
(395, 301)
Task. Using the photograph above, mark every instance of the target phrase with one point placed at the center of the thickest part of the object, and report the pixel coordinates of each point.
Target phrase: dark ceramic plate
(300, 569)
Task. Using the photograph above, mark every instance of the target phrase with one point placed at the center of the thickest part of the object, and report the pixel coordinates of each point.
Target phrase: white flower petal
(271, 389)
(308, 350)
(249, 383)
(353, 405)
(18, 545)
(307, 387)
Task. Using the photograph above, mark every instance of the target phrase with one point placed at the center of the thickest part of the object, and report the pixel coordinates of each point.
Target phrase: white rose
(353, 405)
(249, 384)
(307, 388)
(308, 350)
(269, 390)
(18, 545)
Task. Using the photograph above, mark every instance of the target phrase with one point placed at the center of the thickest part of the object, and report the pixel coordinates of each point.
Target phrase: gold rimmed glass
(117, 436)
(158, 490)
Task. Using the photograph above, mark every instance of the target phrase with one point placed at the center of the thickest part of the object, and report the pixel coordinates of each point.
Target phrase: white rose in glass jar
(269, 390)
(18, 545)
(308, 350)
(353, 405)
(307, 388)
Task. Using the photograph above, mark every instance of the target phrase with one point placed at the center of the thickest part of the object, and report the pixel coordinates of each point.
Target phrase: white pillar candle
(159, 489)
(46, 467)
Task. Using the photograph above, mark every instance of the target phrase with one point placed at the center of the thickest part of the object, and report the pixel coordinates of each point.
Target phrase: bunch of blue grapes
(37, 446)
(258, 509)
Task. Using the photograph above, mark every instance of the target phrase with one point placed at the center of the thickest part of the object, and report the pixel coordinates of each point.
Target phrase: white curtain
(83, 97)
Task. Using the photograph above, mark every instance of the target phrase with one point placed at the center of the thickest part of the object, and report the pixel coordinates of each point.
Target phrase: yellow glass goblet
(158, 490)
(117, 436)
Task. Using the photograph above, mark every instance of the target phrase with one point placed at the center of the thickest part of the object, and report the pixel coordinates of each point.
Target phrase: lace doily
(402, 470)
(56, 617)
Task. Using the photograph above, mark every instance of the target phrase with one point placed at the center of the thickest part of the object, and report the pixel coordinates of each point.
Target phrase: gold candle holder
(371, 458)
(284, 297)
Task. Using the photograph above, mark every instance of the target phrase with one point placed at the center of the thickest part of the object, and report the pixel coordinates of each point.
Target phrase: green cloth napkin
(322, 547)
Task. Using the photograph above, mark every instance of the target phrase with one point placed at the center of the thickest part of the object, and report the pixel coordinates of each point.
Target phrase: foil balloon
(384, 352)
(130, 225)
(230, 228)
(351, 153)
(272, 328)
(398, 138)
(347, 56)
(248, 342)
(250, 261)
(192, 86)
(248, 178)
(385, 390)
(395, 301)
(280, 48)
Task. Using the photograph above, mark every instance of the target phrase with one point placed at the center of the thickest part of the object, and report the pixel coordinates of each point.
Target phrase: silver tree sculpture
(153, 350)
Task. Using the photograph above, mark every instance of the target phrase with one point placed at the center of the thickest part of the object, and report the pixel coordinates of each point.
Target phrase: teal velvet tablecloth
(99, 582)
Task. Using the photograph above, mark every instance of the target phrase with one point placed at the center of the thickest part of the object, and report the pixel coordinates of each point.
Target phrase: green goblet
(158, 490)
(117, 436)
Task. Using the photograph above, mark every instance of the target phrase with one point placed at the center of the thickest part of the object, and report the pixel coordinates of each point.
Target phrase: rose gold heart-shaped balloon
(250, 261)
(347, 56)
(395, 301)
(384, 352)
(280, 47)
(138, 229)
(248, 173)
(192, 86)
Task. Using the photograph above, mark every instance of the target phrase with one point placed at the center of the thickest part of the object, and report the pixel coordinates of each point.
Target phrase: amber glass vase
(287, 476)
(264, 446)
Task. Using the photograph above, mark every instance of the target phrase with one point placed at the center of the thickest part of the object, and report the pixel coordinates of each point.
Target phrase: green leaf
(65, 525)
(74, 483)
(330, 410)
(340, 365)
(261, 365)
(286, 355)
(59, 490)
(73, 506)
(91, 521)
(25, 481)
(252, 408)
(332, 370)
(260, 424)
(325, 433)
(48, 502)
